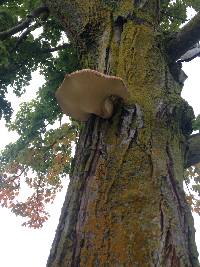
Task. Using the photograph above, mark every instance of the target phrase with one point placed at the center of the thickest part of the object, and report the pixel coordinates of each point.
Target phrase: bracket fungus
(88, 92)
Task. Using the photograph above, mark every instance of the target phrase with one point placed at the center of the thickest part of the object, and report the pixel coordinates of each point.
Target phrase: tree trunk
(125, 204)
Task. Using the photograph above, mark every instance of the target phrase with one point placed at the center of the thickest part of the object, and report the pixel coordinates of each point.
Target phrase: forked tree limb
(194, 150)
(25, 33)
(183, 40)
(24, 24)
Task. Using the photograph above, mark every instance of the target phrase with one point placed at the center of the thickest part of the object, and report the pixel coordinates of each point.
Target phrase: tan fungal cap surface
(88, 91)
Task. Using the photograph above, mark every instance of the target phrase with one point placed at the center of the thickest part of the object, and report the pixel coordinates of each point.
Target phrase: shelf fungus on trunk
(88, 92)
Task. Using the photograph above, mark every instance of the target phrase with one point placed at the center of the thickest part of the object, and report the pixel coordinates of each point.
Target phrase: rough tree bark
(125, 204)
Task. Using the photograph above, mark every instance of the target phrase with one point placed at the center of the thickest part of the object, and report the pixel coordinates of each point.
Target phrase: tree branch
(194, 150)
(24, 24)
(186, 38)
(191, 54)
(24, 35)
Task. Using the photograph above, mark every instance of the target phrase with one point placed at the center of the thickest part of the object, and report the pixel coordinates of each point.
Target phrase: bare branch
(194, 150)
(191, 54)
(24, 24)
(186, 38)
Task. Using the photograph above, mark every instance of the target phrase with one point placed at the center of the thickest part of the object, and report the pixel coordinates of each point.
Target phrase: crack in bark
(171, 176)
(90, 166)
(68, 240)
(161, 217)
(107, 71)
(118, 29)
(171, 258)
(126, 131)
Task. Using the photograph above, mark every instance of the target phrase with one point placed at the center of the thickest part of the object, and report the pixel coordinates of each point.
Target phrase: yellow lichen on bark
(122, 225)
(112, 225)
(128, 206)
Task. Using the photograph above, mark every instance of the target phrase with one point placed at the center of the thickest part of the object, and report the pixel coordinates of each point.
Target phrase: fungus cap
(88, 91)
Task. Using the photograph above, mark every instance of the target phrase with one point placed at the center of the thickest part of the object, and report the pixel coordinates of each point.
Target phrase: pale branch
(185, 39)
(24, 24)
(191, 54)
(193, 156)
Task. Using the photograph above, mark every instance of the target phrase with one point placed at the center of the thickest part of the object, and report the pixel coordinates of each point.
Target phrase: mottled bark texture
(125, 204)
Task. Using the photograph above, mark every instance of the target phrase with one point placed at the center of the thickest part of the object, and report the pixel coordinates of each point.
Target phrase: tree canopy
(31, 38)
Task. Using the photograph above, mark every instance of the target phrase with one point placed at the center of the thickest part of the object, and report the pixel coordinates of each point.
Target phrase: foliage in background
(42, 154)
(22, 54)
(174, 13)
(196, 124)
(192, 181)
